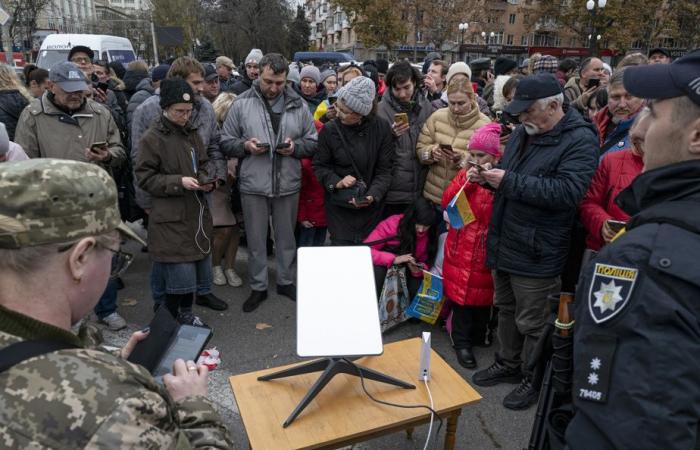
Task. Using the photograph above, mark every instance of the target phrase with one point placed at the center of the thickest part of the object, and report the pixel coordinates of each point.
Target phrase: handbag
(342, 197)
(393, 301)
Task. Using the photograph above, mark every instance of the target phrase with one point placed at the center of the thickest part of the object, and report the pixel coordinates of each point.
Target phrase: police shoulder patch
(610, 291)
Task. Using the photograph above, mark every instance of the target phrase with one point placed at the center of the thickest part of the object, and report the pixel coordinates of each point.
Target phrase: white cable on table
(432, 415)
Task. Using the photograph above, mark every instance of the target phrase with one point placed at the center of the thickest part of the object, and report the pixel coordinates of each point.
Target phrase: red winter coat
(311, 206)
(616, 171)
(467, 280)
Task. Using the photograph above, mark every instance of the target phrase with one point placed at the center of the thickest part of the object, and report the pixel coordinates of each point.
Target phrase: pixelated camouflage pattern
(87, 398)
(45, 201)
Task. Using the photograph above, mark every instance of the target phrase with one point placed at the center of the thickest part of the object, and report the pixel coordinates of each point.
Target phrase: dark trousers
(412, 283)
(311, 237)
(108, 302)
(470, 325)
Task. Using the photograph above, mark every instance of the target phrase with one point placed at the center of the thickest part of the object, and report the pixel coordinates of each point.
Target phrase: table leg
(451, 431)
(409, 433)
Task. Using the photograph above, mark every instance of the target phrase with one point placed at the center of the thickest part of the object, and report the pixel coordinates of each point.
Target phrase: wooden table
(342, 414)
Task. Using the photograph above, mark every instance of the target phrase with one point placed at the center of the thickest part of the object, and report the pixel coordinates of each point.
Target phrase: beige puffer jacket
(443, 127)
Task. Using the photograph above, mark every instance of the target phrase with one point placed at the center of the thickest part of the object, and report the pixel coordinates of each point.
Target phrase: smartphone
(103, 87)
(593, 82)
(283, 145)
(361, 201)
(616, 225)
(263, 145)
(479, 167)
(446, 148)
(401, 118)
(98, 146)
(207, 182)
(331, 100)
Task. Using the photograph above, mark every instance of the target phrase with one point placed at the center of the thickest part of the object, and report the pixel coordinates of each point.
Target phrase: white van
(55, 48)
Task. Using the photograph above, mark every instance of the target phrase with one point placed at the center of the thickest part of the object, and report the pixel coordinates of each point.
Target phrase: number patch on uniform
(593, 368)
(611, 289)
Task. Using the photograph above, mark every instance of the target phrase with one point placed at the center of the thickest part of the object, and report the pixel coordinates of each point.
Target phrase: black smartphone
(446, 147)
(283, 145)
(263, 145)
(207, 182)
(98, 146)
(332, 100)
(102, 86)
(479, 167)
(616, 225)
(593, 82)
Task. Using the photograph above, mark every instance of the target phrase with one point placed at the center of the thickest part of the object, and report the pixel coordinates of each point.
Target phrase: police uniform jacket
(637, 333)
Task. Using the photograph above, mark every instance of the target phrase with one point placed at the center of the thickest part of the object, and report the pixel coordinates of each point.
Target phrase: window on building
(557, 41)
(513, 2)
(524, 40)
(419, 17)
(637, 44)
(511, 19)
(419, 36)
(509, 40)
(497, 38)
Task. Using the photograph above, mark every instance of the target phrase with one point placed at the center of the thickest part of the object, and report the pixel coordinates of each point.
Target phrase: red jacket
(616, 171)
(467, 280)
(388, 228)
(311, 205)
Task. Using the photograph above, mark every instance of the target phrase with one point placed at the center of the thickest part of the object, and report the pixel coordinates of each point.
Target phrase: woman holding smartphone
(171, 167)
(443, 141)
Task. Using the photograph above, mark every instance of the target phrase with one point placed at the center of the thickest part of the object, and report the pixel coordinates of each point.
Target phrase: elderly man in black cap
(659, 56)
(636, 347)
(545, 171)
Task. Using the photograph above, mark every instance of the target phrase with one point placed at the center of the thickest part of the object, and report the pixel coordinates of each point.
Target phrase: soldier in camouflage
(59, 223)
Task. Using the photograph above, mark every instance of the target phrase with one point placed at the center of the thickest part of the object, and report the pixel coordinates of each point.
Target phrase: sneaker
(522, 397)
(497, 373)
(188, 318)
(211, 301)
(233, 278)
(114, 321)
(218, 276)
(254, 300)
(288, 290)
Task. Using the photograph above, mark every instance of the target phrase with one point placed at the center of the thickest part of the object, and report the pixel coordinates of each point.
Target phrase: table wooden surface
(342, 414)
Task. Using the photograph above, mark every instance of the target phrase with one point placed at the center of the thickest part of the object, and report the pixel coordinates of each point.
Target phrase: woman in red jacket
(311, 215)
(467, 281)
(616, 171)
(408, 239)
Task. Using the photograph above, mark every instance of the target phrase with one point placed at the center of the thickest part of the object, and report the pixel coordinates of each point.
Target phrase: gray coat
(144, 89)
(203, 119)
(407, 173)
(269, 174)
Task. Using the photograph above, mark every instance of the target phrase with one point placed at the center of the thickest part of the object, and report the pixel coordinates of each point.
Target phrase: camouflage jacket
(88, 398)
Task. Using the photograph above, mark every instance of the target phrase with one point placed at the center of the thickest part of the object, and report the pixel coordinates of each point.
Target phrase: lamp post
(593, 43)
(463, 27)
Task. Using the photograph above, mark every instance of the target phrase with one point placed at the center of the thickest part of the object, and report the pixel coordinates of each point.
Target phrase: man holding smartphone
(579, 89)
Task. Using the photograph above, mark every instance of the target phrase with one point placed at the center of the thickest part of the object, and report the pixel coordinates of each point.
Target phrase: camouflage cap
(45, 201)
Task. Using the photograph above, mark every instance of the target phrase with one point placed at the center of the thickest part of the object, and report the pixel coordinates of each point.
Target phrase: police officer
(59, 227)
(637, 338)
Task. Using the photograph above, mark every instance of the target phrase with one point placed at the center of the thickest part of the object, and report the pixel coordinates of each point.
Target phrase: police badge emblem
(611, 289)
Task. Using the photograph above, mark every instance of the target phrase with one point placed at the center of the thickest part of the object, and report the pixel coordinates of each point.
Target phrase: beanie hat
(160, 72)
(175, 90)
(293, 74)
(4, 140)
(358, 95)
(327, 73)
(254, 56)
(504, 65)
(382, 65)
(310, 72)
(487, 139)
(546, 63)
(459, 67)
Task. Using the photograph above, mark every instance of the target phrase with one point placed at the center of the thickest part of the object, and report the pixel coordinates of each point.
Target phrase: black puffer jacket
(132, 80)
(11, 105)
(241, 85)
(535, 206)
(370, 144)
(407, 174)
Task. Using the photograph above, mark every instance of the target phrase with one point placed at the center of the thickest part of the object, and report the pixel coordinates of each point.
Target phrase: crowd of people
(292, 155)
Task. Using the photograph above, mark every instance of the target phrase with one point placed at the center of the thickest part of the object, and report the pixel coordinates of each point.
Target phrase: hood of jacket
(668, 193)
(145, 85)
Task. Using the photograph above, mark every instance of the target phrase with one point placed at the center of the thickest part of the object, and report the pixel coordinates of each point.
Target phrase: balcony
(346, 24)
(546, 26)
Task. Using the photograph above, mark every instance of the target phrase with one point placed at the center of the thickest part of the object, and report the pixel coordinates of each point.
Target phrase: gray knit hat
(293, 74)
(254, 56)
(310, 72)
(327, 73)
(358, 95)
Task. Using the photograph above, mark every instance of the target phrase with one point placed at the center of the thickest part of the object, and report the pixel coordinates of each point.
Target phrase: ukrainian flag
(459, 212)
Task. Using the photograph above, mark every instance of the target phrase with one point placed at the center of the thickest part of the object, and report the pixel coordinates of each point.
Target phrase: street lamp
(491, 35)
(591, 7)
(463, 27)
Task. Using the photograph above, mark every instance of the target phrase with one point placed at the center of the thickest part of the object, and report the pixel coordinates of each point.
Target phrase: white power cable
(200, 227)
(432, 415)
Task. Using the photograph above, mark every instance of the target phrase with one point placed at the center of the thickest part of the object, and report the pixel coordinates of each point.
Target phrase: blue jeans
(311, 237)
(108, 302)
(180, 278)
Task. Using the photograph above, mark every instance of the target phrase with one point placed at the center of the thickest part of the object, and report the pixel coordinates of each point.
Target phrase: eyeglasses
(81, 60)
(120, 262)
(181, 112)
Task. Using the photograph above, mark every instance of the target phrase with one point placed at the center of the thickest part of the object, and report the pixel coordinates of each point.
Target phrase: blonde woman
(227, 232)
(13, 99)
(444, 139)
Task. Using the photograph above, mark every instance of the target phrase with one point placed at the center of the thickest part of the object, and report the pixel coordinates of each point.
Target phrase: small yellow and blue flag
(459, 211)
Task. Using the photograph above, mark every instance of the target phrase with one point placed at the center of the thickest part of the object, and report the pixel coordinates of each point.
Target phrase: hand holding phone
(478, 167)
(593, 82)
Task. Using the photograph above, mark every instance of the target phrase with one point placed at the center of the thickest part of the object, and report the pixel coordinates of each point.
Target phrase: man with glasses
(64, 124)
(59, 222)
(545, 171)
